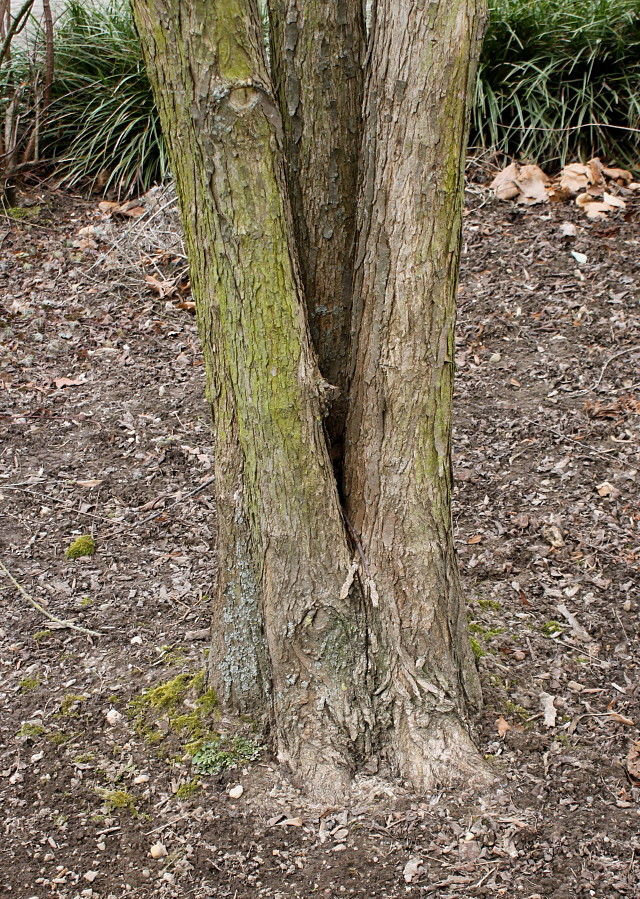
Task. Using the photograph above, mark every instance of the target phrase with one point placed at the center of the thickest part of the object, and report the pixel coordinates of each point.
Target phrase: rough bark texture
(397, 464)
(316, 57)
(289, 622)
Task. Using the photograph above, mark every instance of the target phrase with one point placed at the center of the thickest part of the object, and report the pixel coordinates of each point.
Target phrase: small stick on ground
(36, 605)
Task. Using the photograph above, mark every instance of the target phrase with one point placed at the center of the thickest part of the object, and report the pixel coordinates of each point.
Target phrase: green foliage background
(558, 80)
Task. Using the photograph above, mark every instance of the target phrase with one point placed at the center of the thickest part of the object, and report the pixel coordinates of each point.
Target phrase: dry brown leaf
(503, 726)
(616, 202)
(553, 535)
(617, 174)
(621, 719)
(476, 539)
(597, 210)
(532, 182)
(92, 482)
(68, 382)
(164, 288)
(504, 184)
(633, 762)
(607, 489)
(549, 709)
(107, 206)
(134, 212)
(585, 199)
(290, 822)
(574, 177)
(595, 170)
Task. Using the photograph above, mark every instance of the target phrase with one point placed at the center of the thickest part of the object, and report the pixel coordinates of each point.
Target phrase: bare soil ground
(104, 423)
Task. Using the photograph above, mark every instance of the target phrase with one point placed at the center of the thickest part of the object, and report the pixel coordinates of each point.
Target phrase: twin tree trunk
(321, 198)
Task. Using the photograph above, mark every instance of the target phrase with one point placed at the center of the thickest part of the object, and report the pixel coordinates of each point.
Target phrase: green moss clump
(87, 601)
(22, 213)
(81, 546)
(489, 604)
(59, 737)
(83, 759)
(189, 789)
(70, 703)
(164, 696)
(552, 629)
(31, 682)
(119, 800)
(42, 635)
(476, 648)
(174, 702)
(31, 731)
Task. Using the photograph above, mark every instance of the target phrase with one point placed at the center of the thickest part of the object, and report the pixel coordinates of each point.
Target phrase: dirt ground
(104, 425)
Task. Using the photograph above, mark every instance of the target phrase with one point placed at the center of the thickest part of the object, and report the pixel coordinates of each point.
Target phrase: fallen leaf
(290, 822)
(577, 630)
(93, 482)
(616, 202)
(617, 174)
(553, 535)
(412, 870)
(549, 709)
(574, 177)
(568, 229)
(621, 719)
(633, 762)
(503, 726)
(69, 382)
(476, 539)
(164, 288)
(607, 489)
(505, 185)
(107, 206)
(597, 210)
(533, 182)
(469, 850)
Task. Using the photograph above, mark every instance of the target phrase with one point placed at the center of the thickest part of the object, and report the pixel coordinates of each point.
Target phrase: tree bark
(289, 624)
(346, 648)
(398, 451)
(317, 50)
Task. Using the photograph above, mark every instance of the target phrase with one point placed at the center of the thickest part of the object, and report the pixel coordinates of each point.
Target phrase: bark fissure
(316, 55)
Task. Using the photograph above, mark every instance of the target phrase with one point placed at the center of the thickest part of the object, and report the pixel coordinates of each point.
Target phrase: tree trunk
(346, 647)
(398, 452)
(289, 624)
(317, 50)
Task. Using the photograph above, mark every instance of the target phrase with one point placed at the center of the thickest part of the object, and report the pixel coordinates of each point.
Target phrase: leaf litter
(546, 444)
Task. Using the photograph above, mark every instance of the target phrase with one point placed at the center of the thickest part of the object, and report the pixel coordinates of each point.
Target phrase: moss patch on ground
(119, 800)
(81, 546)
(181, 708)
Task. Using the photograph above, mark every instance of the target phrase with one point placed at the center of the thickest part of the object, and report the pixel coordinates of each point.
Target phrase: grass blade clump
(559, 79)
(103, 125)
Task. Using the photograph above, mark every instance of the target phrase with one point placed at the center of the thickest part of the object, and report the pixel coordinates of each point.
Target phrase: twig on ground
(631, 349)
(36, 605)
